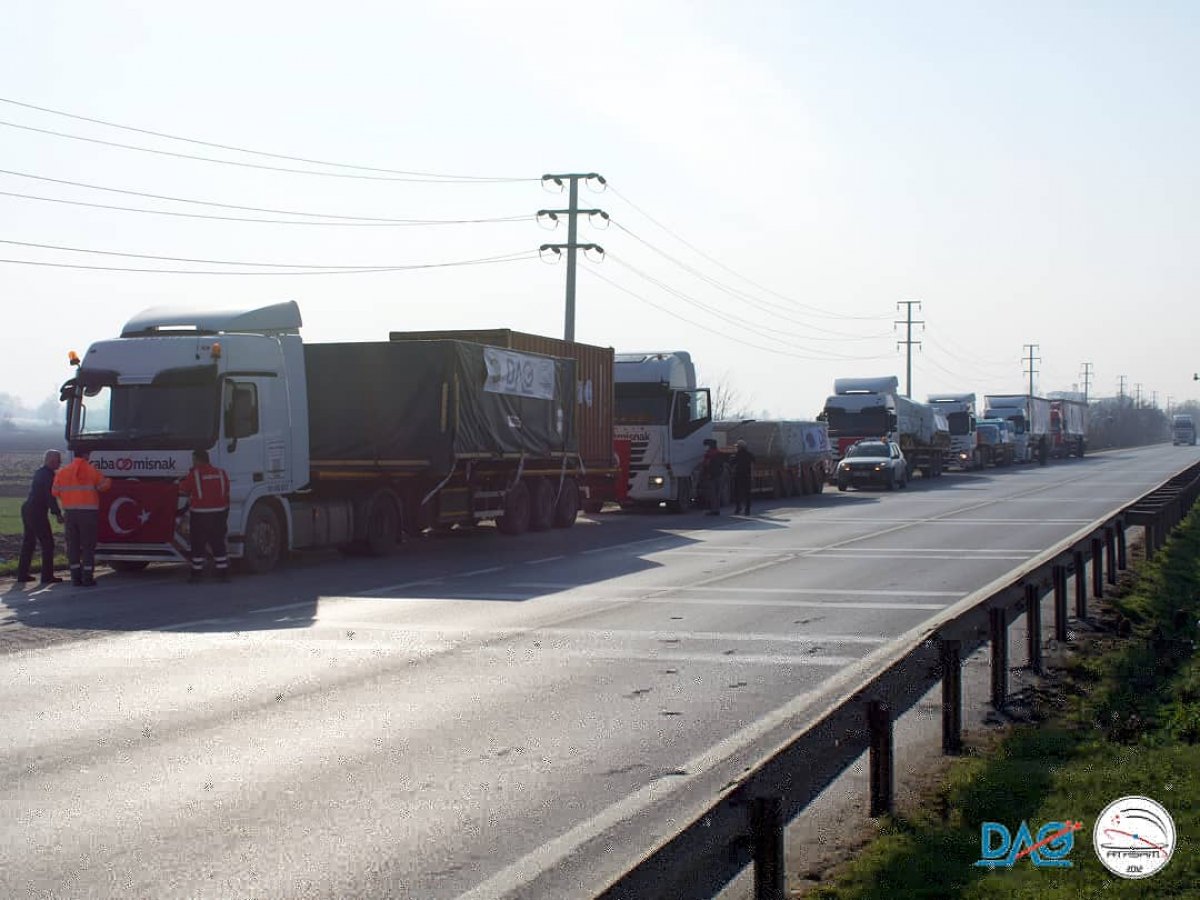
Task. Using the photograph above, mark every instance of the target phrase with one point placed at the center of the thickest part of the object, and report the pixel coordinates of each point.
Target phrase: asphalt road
(479, 715)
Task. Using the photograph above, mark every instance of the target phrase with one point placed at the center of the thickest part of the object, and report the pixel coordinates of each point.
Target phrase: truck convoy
(791, 457)
(346, 445)
(959, 410)
(666, 419)
(1183, 430)
(1068, 424)
(874, 408)
(1029, 417)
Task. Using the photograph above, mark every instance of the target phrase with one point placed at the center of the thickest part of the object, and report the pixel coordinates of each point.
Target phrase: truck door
(253, 446)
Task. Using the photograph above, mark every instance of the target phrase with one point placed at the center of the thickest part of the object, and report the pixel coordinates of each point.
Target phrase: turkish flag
(138, 512)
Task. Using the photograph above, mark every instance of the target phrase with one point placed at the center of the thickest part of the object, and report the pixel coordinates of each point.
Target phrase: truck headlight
(657, 481)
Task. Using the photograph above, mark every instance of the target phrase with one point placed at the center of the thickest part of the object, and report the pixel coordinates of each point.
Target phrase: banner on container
(518, 374)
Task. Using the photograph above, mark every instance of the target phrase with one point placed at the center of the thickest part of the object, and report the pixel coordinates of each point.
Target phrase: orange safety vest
(207, 489)
(78, 485)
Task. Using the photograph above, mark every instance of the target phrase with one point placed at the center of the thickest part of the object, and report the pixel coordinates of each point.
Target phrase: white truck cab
(666, 420)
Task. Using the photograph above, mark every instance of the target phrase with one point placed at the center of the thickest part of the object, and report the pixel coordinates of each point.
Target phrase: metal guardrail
(745, 826)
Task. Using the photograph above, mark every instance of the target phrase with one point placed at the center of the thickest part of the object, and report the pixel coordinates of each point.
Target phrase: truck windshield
(642, 404)
(873, 421)
(174, 415)
(960, 422)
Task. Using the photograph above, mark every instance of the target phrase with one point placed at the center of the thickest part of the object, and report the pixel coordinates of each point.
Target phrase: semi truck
(666, 419)
(1183, 430)
(874, 408)
(959, 410)
(1029, 417)
(348, 445)
(994, 442)
(1068, 424)
(791, 457)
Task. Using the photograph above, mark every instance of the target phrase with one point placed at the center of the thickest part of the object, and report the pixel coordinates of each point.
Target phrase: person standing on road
(35, 520)
(78, 487)
(743, 466)
(206, 488)
(713, 470)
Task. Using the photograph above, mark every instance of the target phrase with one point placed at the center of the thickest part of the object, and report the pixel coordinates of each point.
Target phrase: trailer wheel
(516, 510)
(541, 504)
(567, 507)
(591, 507)
(383, 524)
(264, 540)
(816, 480)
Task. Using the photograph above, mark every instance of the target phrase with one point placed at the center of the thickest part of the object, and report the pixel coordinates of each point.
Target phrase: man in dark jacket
(712, 471)
(743, 466)
(35, 517)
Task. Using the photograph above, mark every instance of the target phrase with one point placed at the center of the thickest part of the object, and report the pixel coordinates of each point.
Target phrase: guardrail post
(1110, 553)
(1122, 554)
(1149, 535)
(951, 666)
(1033, 625)
(766, 825)
(1059, 577)
(998, 627)
(1097, 568)
(879, 720)
(1080, 584)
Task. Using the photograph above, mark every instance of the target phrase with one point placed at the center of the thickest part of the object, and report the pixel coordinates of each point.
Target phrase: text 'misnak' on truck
(1183, 430)
(666, 419)
(790, 457)
(959, 410)
(347, 445)
(1068, 424)
(874, 409)
(1029, 418)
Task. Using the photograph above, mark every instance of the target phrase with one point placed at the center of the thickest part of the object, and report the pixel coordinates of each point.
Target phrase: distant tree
(728, 401)
(49, 410)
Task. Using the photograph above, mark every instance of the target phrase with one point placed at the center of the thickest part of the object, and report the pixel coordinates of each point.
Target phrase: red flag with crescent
(138, 512)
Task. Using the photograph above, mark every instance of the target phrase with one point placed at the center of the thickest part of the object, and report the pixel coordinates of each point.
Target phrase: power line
(676, 315)
(788, 338)
(770, 308)
(305, 269)
(261, 166)
(186, 215)
(212, 203)
(320, 162)
(817, 311)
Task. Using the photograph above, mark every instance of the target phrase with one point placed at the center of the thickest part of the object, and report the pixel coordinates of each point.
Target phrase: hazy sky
(1026, 170)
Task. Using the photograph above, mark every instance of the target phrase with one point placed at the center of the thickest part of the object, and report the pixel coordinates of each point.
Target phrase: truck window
(241, 409)
(691, 413)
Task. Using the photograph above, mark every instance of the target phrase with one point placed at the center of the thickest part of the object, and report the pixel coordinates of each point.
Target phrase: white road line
(538, 562)
(655, 656)
(683, 588)
(404, 585)
(657, 540)
(475, 572)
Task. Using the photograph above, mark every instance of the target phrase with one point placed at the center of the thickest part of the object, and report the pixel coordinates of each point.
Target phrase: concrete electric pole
(908, 342)
(1087, 380)
(572, 213)
(1030, 359)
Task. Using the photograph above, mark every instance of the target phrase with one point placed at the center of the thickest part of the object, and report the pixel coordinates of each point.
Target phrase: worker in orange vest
(77, 488)
(206, 488)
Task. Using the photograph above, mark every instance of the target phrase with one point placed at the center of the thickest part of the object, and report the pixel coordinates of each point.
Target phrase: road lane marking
(472, 574)
(404, 585)
(655, 656)
(538, 562)
(656, 589)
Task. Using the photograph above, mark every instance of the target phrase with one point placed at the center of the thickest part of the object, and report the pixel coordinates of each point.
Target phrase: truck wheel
(516, 510)
(383, 524)
(591, 507)
(541, 504)
(264, 540)
(567, 507)
(683, 496)
(816, 480)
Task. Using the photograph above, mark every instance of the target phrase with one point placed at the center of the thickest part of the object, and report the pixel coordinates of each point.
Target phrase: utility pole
(1138, 388)
(1121, 390)
(1087, 380)
(1030, 349)
(1170, 403)
(572, 213)
(1154, 399)
(908, 341)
